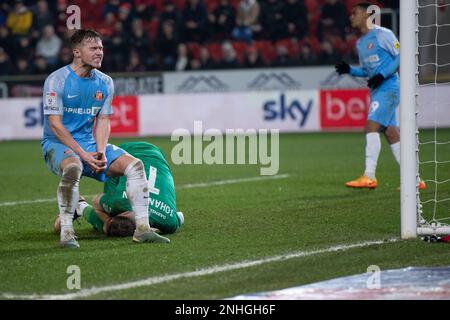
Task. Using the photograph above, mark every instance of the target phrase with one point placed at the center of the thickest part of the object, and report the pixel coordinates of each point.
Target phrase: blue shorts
(383, 107)
(54, 152)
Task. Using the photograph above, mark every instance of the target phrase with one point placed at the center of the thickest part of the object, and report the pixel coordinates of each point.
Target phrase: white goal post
(412, 221)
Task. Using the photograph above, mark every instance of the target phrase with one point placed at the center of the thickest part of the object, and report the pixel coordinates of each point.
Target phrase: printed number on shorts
(374, 106)
(152, 180)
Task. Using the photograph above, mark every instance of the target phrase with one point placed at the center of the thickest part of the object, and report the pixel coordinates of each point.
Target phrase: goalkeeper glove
(342, 68)
(375, 81)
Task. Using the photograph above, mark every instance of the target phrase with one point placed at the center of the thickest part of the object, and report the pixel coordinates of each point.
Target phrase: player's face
(358, 17)
(92, 52)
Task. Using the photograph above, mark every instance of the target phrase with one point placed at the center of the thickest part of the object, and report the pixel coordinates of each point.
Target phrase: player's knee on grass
(121, 226)
(170, 225)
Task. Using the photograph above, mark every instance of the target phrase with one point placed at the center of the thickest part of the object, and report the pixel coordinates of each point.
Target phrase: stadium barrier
(288, 111)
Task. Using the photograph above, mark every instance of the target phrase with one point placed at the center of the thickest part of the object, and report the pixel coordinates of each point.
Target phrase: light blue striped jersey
(378, 52)
(78, 100)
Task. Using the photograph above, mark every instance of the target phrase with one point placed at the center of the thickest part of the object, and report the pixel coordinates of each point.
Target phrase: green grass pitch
(309, 209)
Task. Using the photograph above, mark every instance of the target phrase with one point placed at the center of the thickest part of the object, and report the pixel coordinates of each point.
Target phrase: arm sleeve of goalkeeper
(391, 68)
(358, 72)
(91, 217)
(390, 44)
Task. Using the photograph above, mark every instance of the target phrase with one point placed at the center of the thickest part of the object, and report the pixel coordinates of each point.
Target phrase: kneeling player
(111, 210)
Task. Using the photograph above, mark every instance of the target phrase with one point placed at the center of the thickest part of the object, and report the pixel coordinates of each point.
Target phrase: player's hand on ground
(342, 68)
(90, 158)
(375, 81)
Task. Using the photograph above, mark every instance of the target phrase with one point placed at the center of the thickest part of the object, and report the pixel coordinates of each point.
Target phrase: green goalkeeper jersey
(162, 206)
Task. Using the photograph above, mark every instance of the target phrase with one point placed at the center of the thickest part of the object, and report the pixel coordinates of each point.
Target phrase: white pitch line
(186, 186)
(202, 272)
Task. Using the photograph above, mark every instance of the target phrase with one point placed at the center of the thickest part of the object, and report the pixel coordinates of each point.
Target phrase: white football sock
(396, 151)
(373, 148)
(67, 194)
(137, 193)
(81, 206)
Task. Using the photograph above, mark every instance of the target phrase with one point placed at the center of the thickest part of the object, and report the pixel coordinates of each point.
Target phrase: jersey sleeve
(53, 95)
(358, 72)
(107, 105)
(389, 42)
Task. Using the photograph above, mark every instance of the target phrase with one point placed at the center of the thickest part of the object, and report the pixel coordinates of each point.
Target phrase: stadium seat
(194, 49)
(268, 51)
(240, 48)
(215, 50)
(291, 45)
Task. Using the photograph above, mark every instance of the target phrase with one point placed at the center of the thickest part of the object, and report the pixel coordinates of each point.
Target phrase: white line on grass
(186, 186)
(202, 272)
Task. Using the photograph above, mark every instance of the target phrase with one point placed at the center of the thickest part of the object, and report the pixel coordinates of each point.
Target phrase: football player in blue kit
(379, 57)
(75, 97)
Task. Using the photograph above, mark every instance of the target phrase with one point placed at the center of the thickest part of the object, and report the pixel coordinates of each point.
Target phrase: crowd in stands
(150, 35)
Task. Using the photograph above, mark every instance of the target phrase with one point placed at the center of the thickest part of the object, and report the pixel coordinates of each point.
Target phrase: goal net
(425, 85)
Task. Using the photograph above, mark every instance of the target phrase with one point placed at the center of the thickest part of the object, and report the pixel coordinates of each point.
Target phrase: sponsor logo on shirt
(89, 111)
(373, 58)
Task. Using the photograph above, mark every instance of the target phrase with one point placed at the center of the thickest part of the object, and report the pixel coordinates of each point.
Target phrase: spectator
(328, 55)
(195, 21)
(167, 45)
(4, 10)
(134, 62)
(23, 66)
(65, 57)
(61, 17)
(222, 20)
(283, 59)
(229, 59)
(272, 19)
(20, 20)
(5, 39)
(170, 13)
(182, 62)
(253, 58)
(40, 65)
(296, 16)
(49, 45)
(333, 19)
(6, 67)
(106, 29)
(139, 39)
(41, 18)
(22, 46)
(111, 6)
(118, 49)
(145, 9)
(307, 56)
(206, 63)
(126, 17)
(247, 21)
(195, 64)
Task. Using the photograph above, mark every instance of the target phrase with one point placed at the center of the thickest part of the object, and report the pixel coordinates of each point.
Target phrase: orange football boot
(363, 182)
(422, 185)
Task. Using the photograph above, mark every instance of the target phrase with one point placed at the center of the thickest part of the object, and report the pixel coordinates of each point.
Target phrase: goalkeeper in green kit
(111, 210)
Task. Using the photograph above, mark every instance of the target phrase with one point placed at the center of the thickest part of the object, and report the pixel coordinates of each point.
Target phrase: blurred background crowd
(164, 35)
